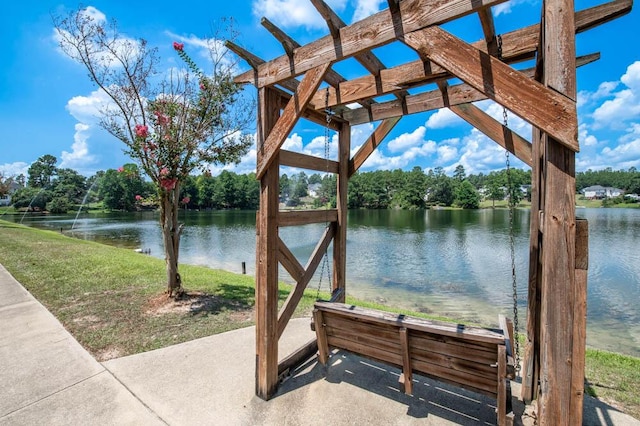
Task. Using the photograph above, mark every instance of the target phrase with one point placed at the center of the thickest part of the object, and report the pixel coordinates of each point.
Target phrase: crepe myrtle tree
(170, 124)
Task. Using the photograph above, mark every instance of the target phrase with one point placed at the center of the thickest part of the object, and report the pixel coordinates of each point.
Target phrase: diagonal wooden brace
(292, 112)
(544, 108)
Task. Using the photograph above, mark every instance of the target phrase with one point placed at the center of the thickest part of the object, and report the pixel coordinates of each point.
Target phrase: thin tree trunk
(171, 237)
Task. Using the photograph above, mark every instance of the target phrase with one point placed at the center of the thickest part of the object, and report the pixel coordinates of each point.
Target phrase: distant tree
(42, 171)
(467, 196)
(119, 188)
(459, 173)
(187, 120)
(31, 198)
(414, 189)
(315, 179)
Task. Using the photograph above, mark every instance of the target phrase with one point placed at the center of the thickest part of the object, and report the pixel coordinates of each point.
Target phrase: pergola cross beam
(542, 107)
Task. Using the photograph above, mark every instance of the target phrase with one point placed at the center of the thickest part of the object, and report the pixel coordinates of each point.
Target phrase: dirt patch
(195, 302)
(108, 353)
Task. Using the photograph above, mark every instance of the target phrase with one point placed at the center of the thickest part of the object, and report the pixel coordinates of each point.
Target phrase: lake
(454, 263)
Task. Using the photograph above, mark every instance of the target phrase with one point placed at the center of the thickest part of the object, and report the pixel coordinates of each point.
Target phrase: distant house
(6, 199)
(598, 192)
(314, 190)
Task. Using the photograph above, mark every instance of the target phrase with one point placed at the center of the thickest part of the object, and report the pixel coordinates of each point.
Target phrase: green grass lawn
(112, 300)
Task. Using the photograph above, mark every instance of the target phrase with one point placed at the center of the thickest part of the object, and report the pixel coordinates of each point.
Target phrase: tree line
(59, 190)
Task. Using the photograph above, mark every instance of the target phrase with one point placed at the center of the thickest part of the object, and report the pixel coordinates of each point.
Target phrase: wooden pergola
(543, 95)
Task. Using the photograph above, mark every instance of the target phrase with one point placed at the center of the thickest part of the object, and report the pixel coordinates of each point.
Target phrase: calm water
(452, 263)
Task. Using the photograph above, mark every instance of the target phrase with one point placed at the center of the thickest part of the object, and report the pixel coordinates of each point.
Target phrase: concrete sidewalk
(48, 378)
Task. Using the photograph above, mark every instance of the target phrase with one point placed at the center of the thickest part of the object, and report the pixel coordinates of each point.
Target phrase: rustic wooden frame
(553, 367)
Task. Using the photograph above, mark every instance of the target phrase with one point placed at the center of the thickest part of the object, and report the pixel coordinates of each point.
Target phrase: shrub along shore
(112, 300)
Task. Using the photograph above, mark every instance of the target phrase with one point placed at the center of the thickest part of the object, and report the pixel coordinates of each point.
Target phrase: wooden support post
(406, 378)
(266, 254)
(559, 349)
(580, 315)
(340, 241)
(323, 347)
(531, 361)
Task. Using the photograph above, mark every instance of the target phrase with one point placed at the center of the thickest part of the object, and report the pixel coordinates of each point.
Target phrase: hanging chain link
(512, 246)
(325, 260)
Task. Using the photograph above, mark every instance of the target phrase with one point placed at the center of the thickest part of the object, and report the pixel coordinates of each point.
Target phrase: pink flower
(163, 119)
(164, 171)
(138, 197)
(203, 86)
(142, 131)
(186, 200)
(120, 169)
(168, 184)
(178, 46)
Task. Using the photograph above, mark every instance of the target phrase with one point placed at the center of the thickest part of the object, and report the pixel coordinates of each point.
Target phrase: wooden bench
(473, 358)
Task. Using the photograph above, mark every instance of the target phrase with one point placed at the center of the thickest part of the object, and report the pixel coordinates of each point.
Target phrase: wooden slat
(304, 161)
(367, 59)
(305, 217)
(579, 340)
(446, 329)
(542, 107)
(296, 358)
(312, 115)
(289, 261)
(501, 134)
(517, 46)
(290, 115)
(290, 305)
(456, 348)
(489, 31)
(484, 385)
(406, 378)
(254, 61)
(371, 144)
(369, 33)
(289, 44)
(431, 100)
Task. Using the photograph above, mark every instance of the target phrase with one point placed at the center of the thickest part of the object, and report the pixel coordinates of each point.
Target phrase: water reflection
(454, 263)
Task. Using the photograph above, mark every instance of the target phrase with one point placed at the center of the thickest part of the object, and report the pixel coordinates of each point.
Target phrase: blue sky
(47, 103)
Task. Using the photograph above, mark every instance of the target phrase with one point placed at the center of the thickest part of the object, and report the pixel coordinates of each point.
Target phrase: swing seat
(477, 359)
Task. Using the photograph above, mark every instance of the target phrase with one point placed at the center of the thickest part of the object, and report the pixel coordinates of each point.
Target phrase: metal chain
(512, 249)
(325, 260)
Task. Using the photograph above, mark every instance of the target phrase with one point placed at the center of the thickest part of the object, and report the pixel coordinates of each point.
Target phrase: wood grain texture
(291, 303)
(305, 217)
(290, 115)
(542, 107)
(371, 144)
(266, 256)
(340, 241)
(288, 260)
(371, 32)
(308, 162)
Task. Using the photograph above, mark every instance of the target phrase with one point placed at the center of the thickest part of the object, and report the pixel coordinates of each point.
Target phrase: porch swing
(482, 360)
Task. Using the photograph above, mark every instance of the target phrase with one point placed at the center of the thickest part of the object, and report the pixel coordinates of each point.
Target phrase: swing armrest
(507, 330)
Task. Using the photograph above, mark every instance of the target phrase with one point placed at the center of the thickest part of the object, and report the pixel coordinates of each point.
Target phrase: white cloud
(294, 13)
(365, 8)
(293, 143)
(585, 138)
(625, 105)
(407, 140)
(441, 119)
(79, 157)
(87, 109)
(447, 153)
(14, 169)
